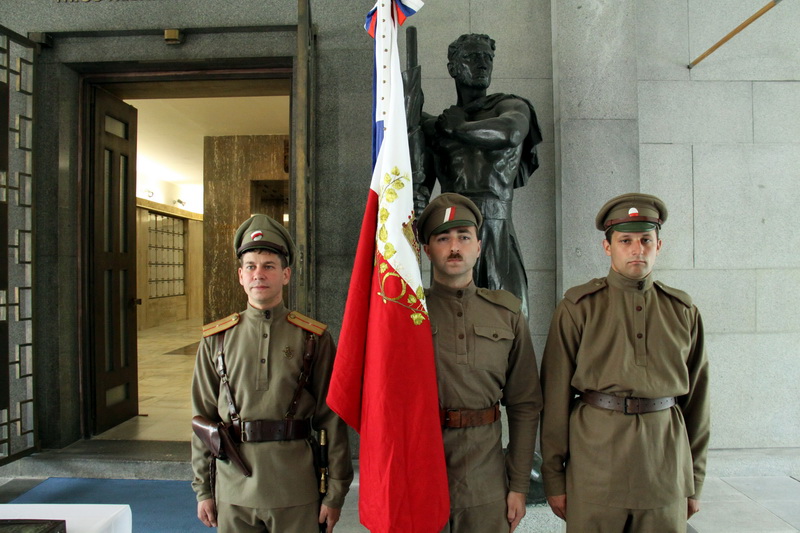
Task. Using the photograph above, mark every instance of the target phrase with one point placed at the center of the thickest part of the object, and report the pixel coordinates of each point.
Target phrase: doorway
(177, 144)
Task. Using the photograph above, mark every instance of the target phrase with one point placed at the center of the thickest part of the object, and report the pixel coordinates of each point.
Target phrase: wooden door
(112, 261)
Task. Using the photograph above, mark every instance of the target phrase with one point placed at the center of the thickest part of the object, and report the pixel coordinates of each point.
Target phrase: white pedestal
(80, 518)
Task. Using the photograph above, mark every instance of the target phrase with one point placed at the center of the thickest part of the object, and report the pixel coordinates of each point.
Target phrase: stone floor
(747, 504)
(752, 491)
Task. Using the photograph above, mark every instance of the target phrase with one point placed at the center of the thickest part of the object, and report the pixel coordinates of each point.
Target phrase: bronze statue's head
(470, 60)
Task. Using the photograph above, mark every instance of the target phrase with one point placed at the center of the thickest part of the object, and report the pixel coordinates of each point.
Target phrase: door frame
(65, 62)
(158, 84)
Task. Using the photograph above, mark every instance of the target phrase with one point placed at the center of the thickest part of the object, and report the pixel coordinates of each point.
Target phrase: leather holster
(218, 438)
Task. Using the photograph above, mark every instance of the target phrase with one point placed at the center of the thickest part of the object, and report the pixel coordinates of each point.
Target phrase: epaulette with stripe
(220, 325)
(309, 324)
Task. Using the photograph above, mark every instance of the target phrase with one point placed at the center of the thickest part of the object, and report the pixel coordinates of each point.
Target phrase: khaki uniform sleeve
(522, 397)
(558, 367)
(340, 465)
(696, 404)
(205, 389)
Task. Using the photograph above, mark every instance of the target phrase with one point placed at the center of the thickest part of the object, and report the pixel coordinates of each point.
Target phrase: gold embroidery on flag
(408, 297)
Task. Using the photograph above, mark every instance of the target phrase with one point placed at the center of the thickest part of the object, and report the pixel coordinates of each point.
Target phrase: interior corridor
(166, 362)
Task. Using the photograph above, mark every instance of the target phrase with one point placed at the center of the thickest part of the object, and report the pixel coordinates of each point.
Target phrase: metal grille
(17, 431)
(166, 250)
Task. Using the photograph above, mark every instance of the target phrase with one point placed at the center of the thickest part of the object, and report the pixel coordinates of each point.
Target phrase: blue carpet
(156, 506)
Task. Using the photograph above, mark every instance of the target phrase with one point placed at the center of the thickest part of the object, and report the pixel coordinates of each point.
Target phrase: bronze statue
(483, 147)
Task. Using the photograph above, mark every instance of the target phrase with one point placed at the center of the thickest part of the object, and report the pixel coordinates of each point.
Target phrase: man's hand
(559, 505)
(516, 509)
(693, 506)
(207, 512)
(329, 516)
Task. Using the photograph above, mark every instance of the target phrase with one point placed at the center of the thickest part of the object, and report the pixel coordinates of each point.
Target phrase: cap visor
(634, 227)
(452, 224)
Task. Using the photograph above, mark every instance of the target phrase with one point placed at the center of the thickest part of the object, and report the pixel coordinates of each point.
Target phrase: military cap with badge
(261, 232)
(632, 212)
(448, 210)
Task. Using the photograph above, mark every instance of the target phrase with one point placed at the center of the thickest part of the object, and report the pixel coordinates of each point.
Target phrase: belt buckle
(625, 409)
(452, 415)
(243, 431)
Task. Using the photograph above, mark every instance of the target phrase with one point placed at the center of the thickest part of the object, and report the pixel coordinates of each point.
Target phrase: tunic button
(639, 335)
(494, 335)
(638, 307)
(460, 335)
(263, 361)
(266, 335)
(459, 314)
(460, 294)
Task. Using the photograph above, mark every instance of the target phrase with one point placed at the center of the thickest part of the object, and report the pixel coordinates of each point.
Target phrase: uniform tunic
(627, 338)
(264, 357)
(484, 355)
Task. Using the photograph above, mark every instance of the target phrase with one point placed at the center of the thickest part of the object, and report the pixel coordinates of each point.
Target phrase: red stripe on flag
(346, 389)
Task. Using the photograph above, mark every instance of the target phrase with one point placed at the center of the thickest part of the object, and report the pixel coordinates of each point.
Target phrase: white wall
(721, 145)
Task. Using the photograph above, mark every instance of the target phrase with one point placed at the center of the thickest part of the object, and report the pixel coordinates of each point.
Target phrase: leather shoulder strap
(305, 374)
(306, 323)
(224, 383)
(220, 325)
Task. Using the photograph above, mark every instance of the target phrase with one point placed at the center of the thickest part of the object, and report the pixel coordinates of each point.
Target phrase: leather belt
(273, 430)
(628, 405)
(467, 418)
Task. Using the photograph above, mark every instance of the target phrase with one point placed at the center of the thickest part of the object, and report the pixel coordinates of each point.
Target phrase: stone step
(108, 459)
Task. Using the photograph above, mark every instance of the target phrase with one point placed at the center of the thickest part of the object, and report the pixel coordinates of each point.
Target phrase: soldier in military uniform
(625, 426)
(263, 350)
(484, 357)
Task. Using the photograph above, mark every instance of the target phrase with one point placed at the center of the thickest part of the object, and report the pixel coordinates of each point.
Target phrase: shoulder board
(501, 298)
(220, 325)
(308, 324)
(575, 294)
(679, 295)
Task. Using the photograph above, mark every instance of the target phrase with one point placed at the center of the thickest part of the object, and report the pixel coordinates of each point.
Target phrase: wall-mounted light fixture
(179, 202)
(173, 36)
(149, 193)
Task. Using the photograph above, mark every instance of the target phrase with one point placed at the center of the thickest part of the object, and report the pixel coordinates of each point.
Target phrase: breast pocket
(492, 346)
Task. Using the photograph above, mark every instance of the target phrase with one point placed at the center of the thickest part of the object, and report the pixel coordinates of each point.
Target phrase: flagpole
(736, 30)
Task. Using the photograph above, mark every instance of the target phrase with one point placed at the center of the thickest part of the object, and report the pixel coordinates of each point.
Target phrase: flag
(384, 376)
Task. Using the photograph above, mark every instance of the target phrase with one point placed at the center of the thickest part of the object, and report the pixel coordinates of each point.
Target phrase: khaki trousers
(585, 517)
(236, 519)
(488, 518)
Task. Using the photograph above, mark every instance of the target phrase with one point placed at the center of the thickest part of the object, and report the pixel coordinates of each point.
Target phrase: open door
(112, 261)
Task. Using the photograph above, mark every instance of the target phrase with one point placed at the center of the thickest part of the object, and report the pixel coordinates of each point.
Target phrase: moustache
(454, 256)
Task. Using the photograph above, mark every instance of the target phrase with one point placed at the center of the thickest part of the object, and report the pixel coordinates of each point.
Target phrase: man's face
(263, 278)
(453, 254)
(633, 254)
(472, 67)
